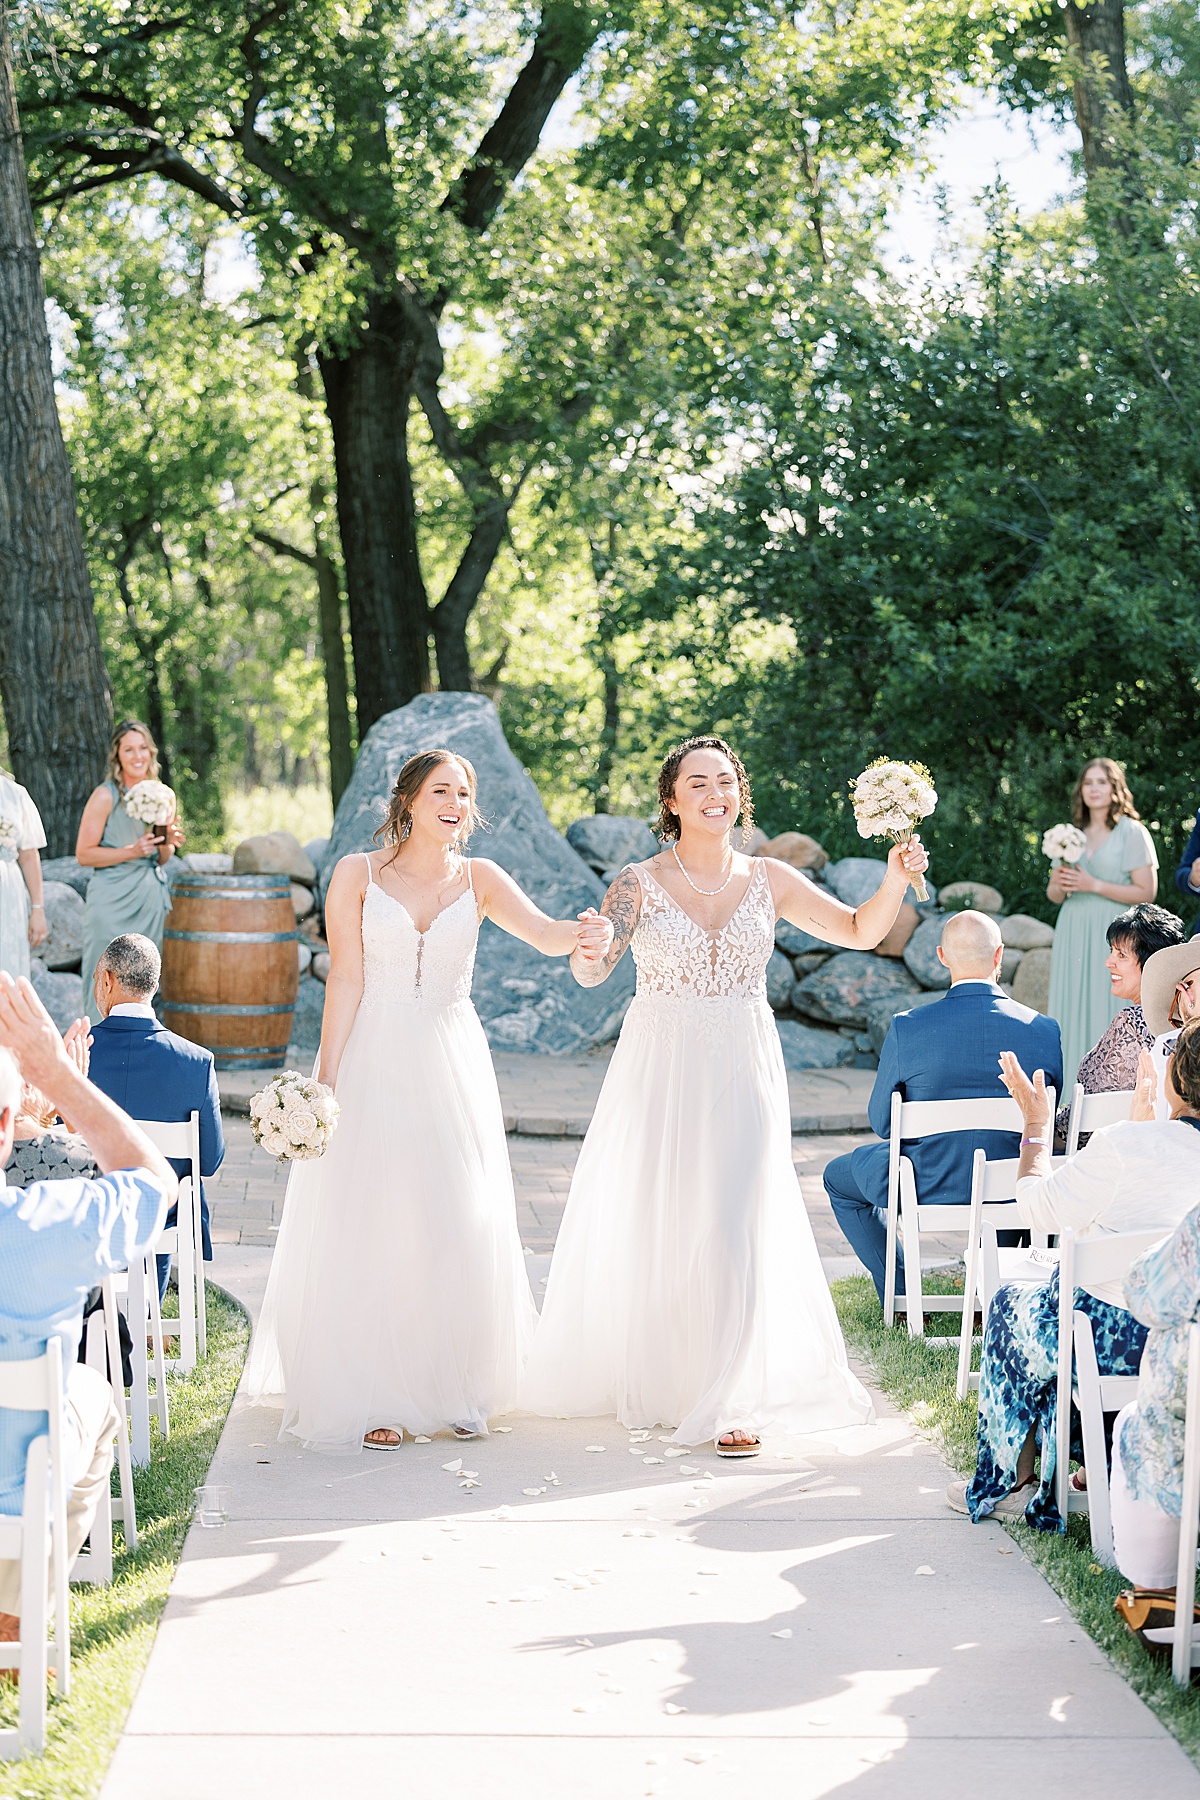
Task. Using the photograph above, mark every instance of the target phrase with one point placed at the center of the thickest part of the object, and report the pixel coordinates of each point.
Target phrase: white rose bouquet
(151, 803)
(8, 841)
(890, 800)
(1064, 844)
(293, 1118)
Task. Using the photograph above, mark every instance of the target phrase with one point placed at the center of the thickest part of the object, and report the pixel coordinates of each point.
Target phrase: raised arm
(344, 984)
(801, 902)
(622, 907)
(509, 907)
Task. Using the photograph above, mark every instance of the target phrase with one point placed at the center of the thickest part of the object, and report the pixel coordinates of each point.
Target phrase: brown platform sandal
(1153, 1609)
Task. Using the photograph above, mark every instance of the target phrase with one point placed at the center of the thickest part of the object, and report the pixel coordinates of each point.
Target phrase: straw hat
(1161, 976)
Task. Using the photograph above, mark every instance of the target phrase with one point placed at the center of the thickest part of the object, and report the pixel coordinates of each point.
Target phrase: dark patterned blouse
(54, 1155)
(1111, 1066)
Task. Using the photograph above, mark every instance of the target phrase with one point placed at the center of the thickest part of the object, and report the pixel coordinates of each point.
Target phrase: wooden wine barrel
(230, 968)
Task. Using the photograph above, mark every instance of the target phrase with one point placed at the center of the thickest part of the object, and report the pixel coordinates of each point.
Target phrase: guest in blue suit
(949, 1050)
(1187, 875)
(146, 1069)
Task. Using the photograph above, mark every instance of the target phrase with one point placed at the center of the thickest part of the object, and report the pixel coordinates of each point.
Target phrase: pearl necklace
(709, 893)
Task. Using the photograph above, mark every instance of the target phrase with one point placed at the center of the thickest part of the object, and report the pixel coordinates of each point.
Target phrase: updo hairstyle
(409, 782)
(668, 776)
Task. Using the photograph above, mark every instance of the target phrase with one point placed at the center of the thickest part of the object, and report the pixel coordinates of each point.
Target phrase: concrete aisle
(814, 1623)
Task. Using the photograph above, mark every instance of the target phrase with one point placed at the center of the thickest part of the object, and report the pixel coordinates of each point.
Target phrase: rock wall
(526, 1001)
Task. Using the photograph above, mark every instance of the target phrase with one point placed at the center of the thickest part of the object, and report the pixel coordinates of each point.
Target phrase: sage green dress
(128, 896)
(1081, 996)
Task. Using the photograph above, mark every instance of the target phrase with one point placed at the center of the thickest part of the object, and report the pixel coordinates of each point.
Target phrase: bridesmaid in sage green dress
(1118, 869)
(128, 890)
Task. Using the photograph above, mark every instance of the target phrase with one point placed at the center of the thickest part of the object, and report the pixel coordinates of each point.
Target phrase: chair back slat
(933, 1118)
(1091, 1112)
(27, 1386)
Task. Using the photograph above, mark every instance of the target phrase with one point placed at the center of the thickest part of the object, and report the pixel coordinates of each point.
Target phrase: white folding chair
(103, 1353)
(907, 1216)
(137, 1287)
(184, 1240)
(1090, 1111)
(37, 1539)
(1185, 1639)
(1085, 1262)
(993, 1209)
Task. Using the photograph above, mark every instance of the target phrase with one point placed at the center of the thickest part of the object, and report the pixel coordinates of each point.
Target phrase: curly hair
(1185, 1065)
(668, 776)
(114, 749)
(1120, 806)
(409, 782)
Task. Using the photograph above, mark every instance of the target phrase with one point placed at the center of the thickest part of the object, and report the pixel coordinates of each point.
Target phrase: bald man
(949, 1050)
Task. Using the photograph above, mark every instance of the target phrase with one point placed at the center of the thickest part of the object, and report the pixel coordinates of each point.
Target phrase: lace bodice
(404, 966)
(677, 958)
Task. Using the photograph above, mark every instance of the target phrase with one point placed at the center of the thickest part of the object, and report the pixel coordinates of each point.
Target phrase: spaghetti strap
(370, 870)
(470, 872)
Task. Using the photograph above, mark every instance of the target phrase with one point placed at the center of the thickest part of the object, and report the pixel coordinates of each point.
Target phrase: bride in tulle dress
(686, 1288)
(398, 1298)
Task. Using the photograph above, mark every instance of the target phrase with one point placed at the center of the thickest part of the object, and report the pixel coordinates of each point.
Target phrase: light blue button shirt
(57, 1238)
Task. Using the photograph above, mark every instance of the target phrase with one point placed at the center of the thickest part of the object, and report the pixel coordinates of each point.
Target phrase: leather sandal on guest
(383, 1438)
(737, 1450)
(1151, 1610)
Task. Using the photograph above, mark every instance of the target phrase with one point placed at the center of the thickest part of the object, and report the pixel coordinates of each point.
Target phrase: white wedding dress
(686, 1288)
(398, 1294)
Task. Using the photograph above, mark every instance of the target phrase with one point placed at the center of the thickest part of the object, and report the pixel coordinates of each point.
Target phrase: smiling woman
(686, 1289)
(398, 1298)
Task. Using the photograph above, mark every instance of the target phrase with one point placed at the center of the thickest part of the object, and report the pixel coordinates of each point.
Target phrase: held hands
(1030, 1096)
(146, 845)
(593, 936)
(908, 859)
(1074, 880)
(1145, 1091)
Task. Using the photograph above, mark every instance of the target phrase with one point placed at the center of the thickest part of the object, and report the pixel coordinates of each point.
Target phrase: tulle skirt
(686, 1288)
(398, 1294)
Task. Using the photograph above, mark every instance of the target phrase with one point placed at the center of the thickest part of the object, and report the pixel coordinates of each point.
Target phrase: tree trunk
(606, 760)
(368, 392)
(333, 651)
(1096, 34)
(452, 611)
(54, 686)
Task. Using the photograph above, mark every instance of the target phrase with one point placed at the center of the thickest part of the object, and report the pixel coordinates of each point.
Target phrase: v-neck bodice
(677, 958)
(404, 966)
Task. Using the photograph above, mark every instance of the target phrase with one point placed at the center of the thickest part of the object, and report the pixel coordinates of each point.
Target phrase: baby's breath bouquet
(890, 800)
(1064, 844)
(293, 1117)
(151, 803)
(8, 841)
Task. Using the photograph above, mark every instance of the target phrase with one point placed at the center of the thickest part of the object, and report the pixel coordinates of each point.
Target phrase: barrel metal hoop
(280, 892)
(215, 877)
(233, 937)
(235, 1012)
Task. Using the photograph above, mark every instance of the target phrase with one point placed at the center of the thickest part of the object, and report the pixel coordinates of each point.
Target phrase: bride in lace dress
(686, 1288)
(398, 1298)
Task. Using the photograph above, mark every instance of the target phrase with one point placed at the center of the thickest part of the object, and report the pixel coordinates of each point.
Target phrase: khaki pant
(92, 1420)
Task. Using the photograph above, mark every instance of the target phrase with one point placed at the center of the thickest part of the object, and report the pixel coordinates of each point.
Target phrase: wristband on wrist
(37, 907)
(1034, 1140)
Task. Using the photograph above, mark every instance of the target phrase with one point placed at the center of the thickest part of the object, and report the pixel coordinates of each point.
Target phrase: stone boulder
(812, 959)
(205, 862)
(304, 957)
(60, 994)
(795, 942)
(971, 896)
(321, 964)
(607, 841)
(804, 1047)
(555, 1013)
(1009, 966)
(841, 992)
(780, 980)
(855, 878)
(65, 868)
(796, 848)
(274, 853)
(1020, 932)
(302, 900)
(306, 1025)
(756, 843)
(920, 954)
(907, 921)
(316, 850)
(63, 948)
(880, 1016)
(1031, 983)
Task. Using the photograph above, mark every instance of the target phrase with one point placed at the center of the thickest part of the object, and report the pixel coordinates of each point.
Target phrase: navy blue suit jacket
(1184, 871)
(152, 1074)
(950, 1051)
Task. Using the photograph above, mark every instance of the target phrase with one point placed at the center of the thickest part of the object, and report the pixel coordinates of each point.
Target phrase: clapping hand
(1030, 1096)
(593, 935)
(77, 1043)
(27, 1029)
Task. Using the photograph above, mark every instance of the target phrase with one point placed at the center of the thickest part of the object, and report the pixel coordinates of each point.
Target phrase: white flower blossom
(150, 802)
(1064, 843)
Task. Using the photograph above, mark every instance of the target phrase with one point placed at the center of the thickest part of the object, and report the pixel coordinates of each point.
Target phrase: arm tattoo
(622, 904)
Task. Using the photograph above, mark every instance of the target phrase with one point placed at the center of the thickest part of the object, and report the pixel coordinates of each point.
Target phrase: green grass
(307, 812)
(112, 1628)
(921, 1379)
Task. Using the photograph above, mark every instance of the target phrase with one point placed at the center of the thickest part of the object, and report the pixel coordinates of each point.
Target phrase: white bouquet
(150, 803)
(293, 1117)
(8, 840)
(890, 800)
(1064, 844)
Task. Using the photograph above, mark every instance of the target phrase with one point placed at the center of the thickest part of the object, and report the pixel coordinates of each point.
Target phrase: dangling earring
(405, 827)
